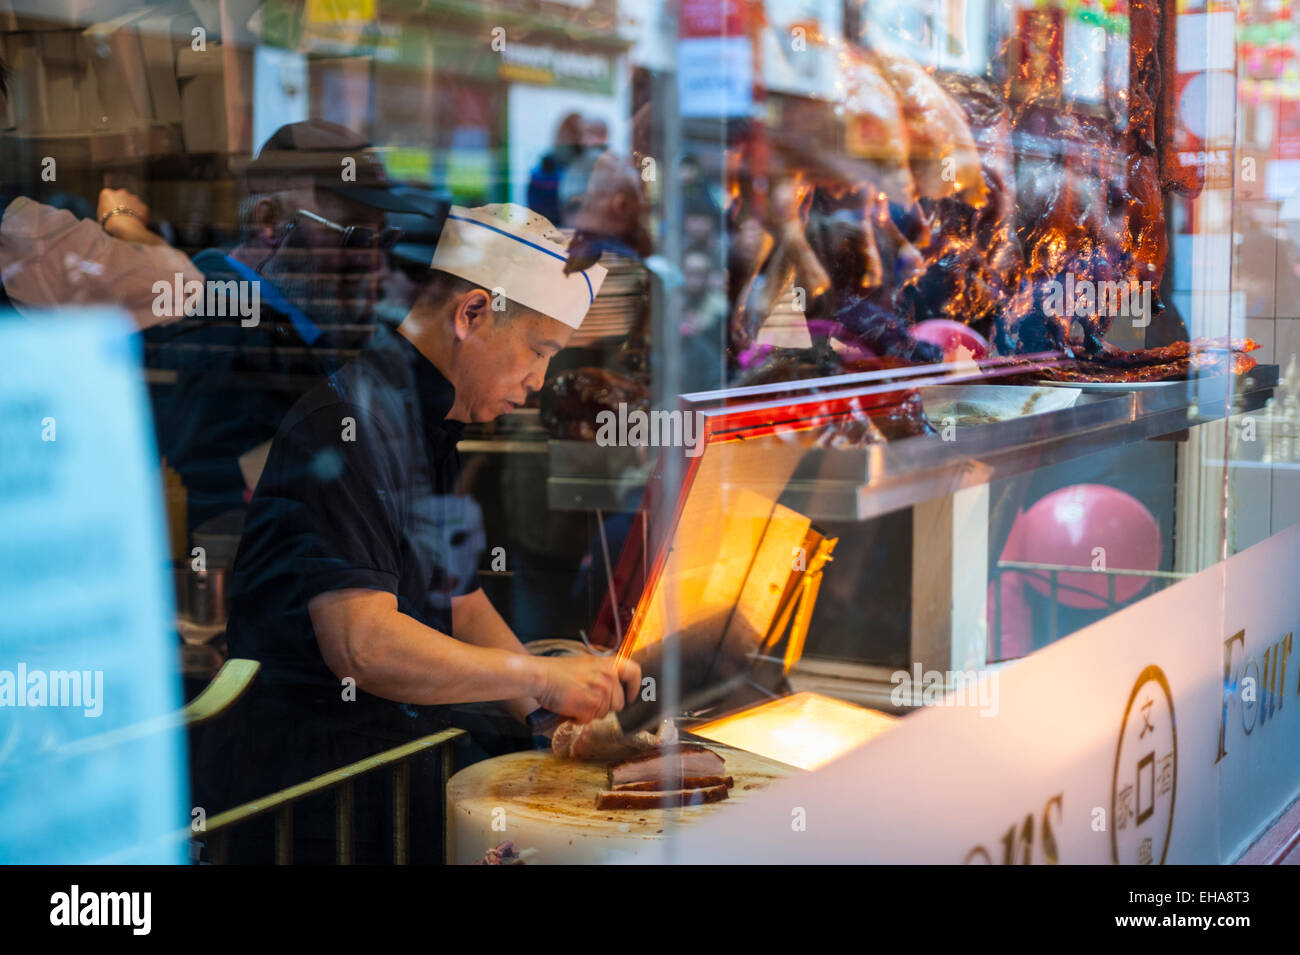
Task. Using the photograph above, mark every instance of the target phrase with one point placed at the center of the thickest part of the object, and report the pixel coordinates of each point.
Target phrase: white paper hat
(514, 249)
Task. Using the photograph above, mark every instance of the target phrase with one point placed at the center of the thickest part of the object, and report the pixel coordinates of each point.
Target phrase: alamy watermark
(651, 429)
(946, 688)
(132, 910)
(60, 688)
(1085, 298)
(208, 299)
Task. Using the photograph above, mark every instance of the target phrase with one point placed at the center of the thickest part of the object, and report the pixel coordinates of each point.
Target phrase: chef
(355, 583)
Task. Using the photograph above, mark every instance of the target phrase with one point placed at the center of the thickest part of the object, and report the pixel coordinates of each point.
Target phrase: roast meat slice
(625, 799)
(688, 782)
(670, 765)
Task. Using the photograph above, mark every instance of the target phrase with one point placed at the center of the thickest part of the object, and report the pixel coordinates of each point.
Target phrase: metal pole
(447, 767)
(345, 807)
(284, 835)
(220, 844)
(664, 268)
(402, 813)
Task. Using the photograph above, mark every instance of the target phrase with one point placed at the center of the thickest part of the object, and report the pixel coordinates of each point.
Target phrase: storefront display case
(1049, 499)
(938, 408)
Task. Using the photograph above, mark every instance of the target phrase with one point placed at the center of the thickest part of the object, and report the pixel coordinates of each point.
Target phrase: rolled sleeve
(49, 257)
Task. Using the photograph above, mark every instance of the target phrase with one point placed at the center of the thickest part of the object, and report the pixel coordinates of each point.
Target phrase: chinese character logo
(1146, 774)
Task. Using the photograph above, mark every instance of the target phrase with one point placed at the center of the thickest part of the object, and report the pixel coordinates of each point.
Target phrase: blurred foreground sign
(86, 649)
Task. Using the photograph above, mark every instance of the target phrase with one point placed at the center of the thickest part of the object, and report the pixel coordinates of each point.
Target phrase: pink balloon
(1089, 526)
(958, 341)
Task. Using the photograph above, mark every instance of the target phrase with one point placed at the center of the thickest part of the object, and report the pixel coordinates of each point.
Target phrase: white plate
(992, 402)
(1110, 385)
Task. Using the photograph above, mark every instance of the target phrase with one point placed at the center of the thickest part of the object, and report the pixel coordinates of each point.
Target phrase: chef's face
(502, 355)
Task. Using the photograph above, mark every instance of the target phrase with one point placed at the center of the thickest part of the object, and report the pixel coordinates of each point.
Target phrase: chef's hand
(587, 687)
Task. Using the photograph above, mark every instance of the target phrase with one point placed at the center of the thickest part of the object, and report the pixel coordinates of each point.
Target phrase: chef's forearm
(363, 635)
(476, 621)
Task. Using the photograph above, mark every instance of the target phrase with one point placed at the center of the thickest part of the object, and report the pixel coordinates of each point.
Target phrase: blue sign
(88, 653)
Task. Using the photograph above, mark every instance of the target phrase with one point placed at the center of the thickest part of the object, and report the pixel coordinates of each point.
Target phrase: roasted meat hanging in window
(985, 199)
(826, 224)
(1090, 209)
(972, 257)
(924, 194)
(910, 220)
(940, 147)
(1091, 212)
(572, 401)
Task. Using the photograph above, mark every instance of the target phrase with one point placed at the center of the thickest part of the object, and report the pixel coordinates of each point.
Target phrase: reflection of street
(560, 177)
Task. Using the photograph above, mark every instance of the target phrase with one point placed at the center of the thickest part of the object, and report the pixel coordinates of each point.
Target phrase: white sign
(1169, 732)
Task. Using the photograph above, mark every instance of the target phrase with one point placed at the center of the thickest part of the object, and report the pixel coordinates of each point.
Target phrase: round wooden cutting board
(539, 801)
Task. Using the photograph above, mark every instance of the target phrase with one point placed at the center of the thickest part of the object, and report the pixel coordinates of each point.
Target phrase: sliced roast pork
(670, 765)
(687, 782)
(658, 799)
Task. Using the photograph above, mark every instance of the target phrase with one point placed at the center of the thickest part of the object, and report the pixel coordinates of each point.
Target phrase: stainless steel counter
(861, 483)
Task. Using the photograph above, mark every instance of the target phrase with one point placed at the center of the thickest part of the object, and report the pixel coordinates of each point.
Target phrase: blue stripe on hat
(510, 235)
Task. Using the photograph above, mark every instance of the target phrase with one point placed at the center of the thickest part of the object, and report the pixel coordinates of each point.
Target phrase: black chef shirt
(359, 490)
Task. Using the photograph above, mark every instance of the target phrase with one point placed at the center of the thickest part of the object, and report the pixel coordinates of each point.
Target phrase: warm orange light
(806, 730)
